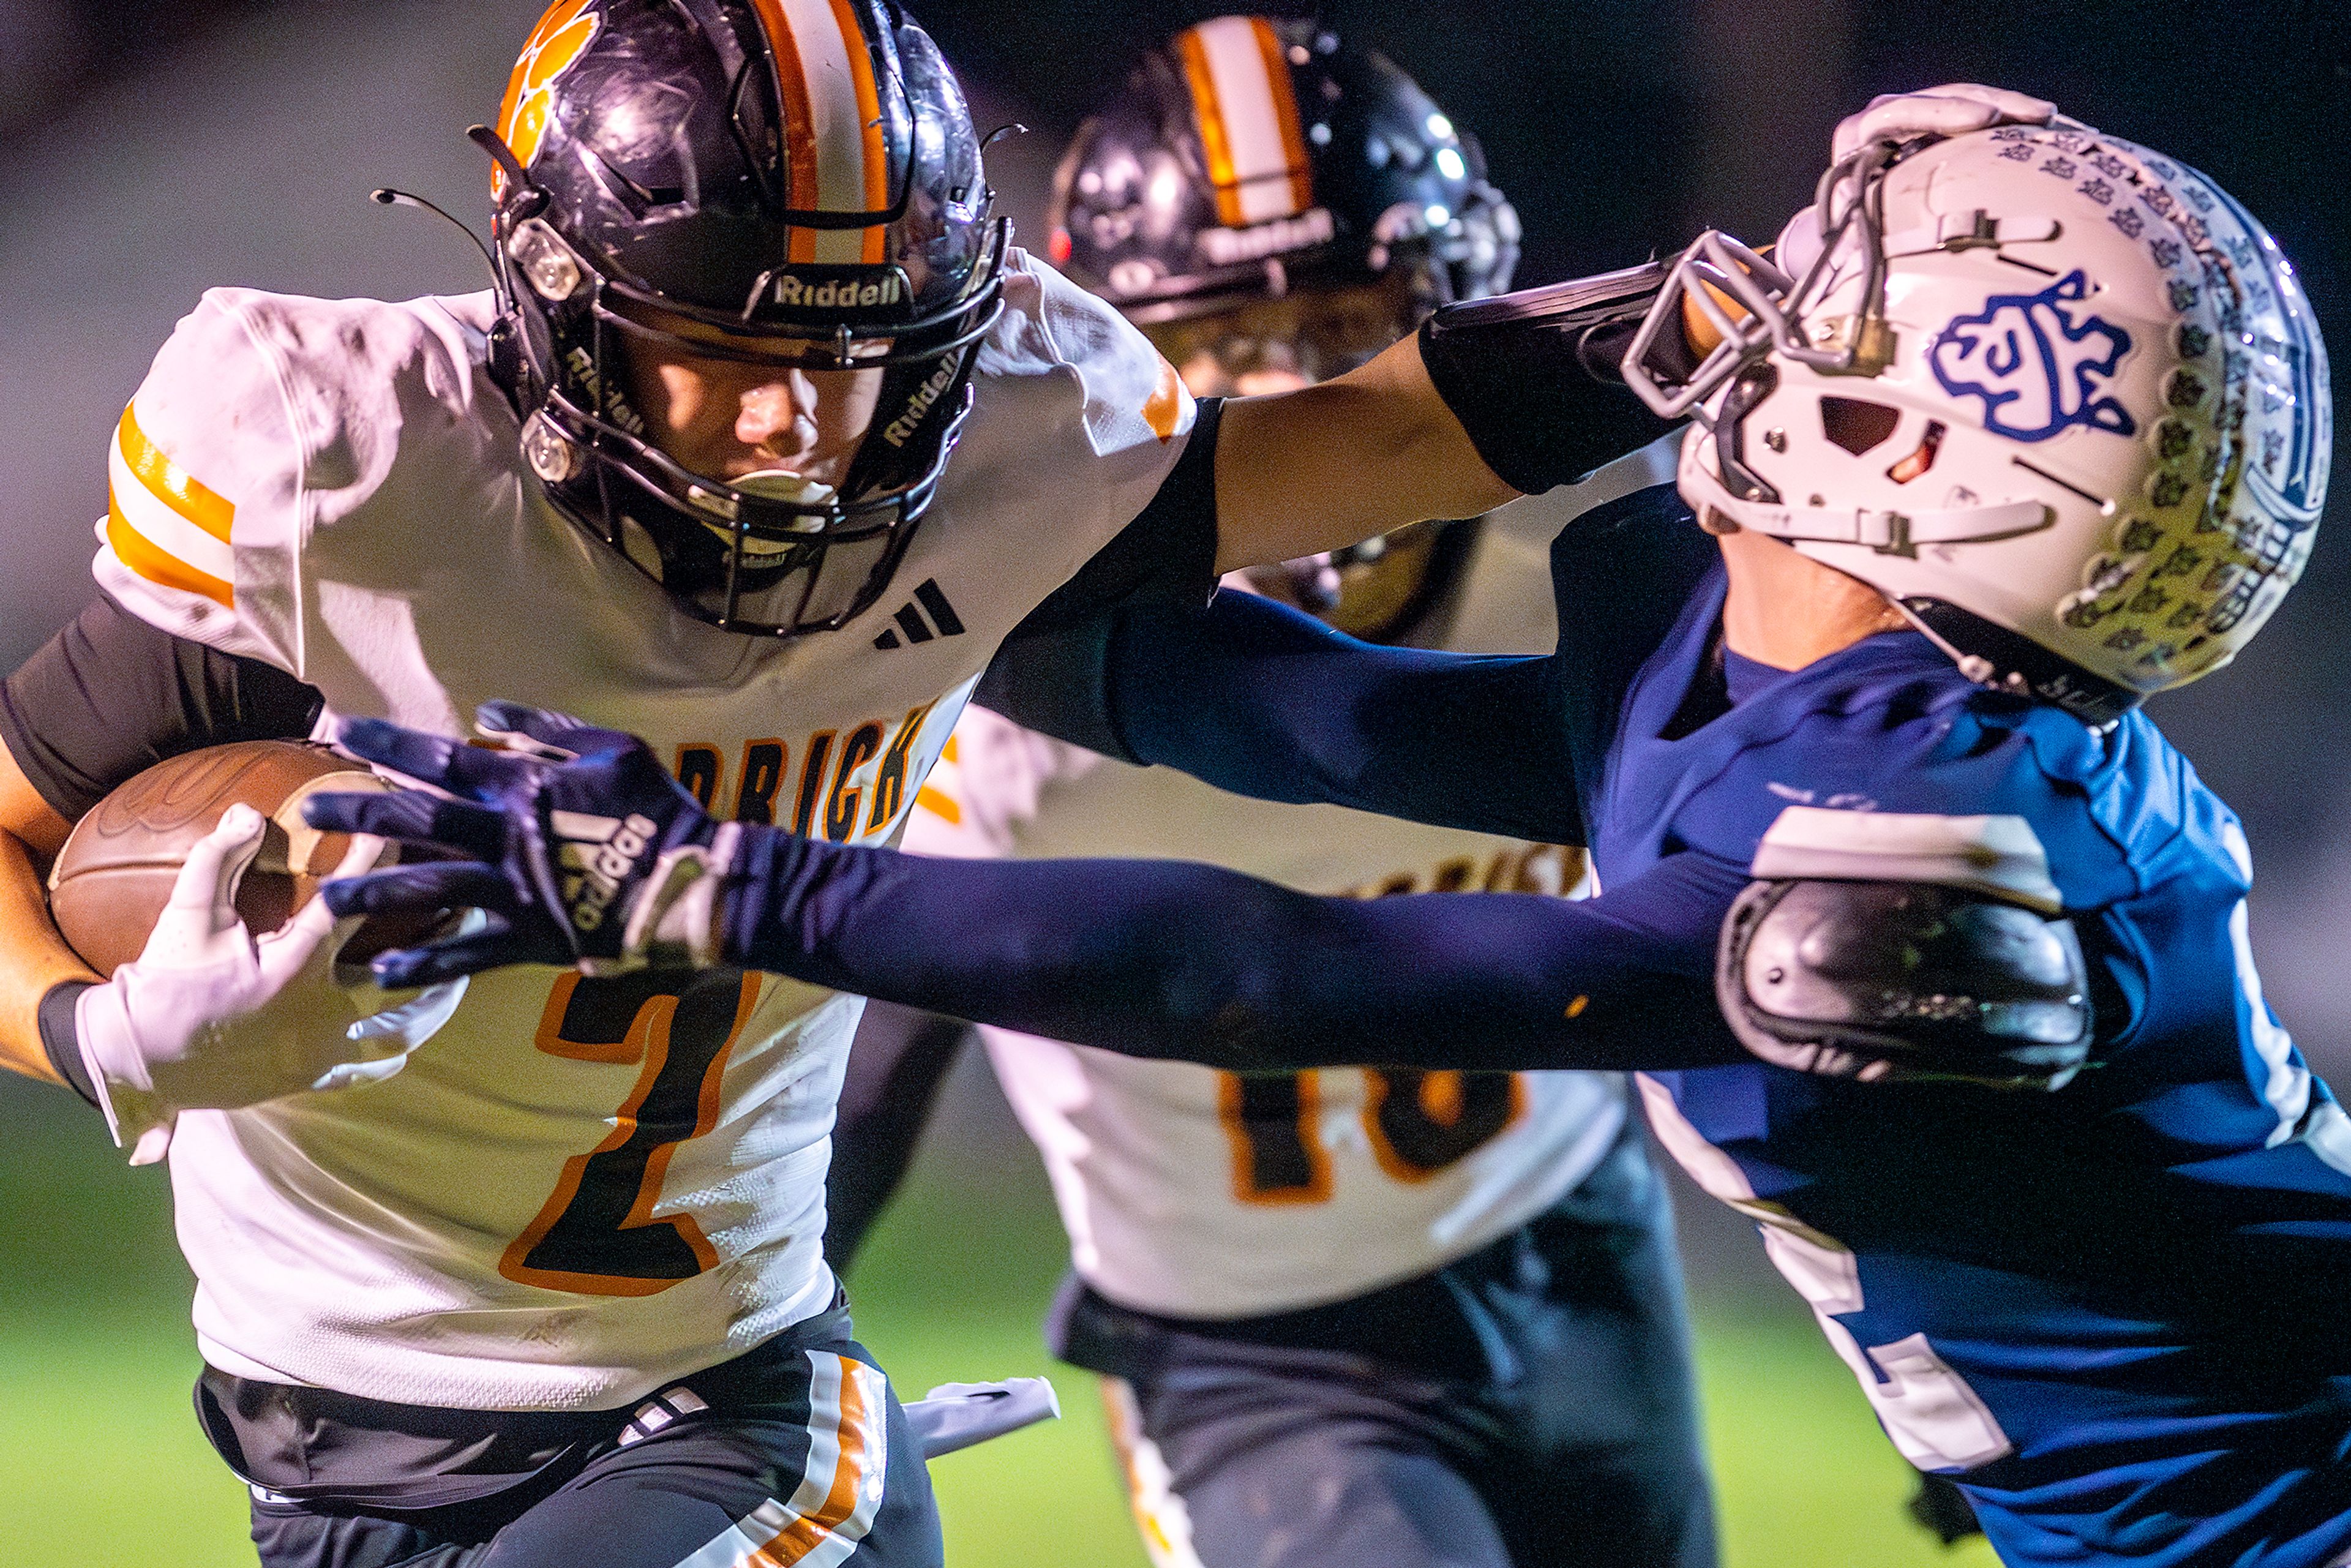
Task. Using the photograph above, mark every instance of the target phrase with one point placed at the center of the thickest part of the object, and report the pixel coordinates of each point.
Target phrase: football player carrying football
(1348, 1317)
(765, 439)
(2035, 422)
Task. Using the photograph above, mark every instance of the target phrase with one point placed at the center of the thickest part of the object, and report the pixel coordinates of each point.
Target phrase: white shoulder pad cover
(1075, 423)
(1997, 855)
(263, 416)
(1132, 397)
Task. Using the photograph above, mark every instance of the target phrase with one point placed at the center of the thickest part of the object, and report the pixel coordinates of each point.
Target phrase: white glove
(209, 1017)
(1951, 110)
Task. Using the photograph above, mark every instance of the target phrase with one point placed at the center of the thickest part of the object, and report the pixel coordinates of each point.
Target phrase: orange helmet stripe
(1247, 112)
(800, 128)
(1284, 92)
(869, 116)
(1211, 117)
(832, 110)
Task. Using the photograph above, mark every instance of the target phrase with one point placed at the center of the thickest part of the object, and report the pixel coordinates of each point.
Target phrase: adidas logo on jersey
(597, 852)
(910, 617)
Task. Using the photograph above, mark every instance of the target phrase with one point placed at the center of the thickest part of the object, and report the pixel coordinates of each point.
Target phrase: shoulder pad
(1903, 948)
(264, 417)
(1996, 855)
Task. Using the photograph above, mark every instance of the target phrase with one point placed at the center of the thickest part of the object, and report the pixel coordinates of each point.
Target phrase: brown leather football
(114, 875)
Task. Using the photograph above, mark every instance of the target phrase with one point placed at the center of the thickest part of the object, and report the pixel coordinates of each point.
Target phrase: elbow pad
(1949, 975)
(1894, 981)
(1534, 376)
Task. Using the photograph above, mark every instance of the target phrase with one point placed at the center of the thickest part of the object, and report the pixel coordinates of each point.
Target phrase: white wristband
(126, 1091)
(674, 924)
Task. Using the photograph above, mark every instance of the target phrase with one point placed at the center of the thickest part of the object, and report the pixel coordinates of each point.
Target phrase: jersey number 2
(597, 1234)
(1418, 1124)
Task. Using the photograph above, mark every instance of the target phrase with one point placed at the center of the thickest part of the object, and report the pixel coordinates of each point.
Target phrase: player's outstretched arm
(588, 851)
(1264, 701)
(1168, 959)
(1491, 399)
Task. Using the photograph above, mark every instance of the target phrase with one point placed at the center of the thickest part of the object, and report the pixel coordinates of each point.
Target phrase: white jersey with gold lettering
(579, 1189)
(1193, 1193)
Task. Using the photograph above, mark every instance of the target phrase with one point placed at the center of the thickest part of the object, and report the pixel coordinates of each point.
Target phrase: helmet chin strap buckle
(1866, 340)
(1894, 533)
(1886, 531)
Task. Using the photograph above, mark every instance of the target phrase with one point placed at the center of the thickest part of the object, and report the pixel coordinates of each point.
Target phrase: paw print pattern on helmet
(553, 48)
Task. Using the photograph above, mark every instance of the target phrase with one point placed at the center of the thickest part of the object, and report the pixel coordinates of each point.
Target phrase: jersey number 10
(1418, 1124)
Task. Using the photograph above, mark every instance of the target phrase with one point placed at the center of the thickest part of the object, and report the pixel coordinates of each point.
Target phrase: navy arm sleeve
(110, 695)
(1264, 701)
(1166, 960)
(1261, 700)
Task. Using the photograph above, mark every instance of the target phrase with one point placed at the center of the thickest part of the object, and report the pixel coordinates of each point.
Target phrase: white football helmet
(2059, 398)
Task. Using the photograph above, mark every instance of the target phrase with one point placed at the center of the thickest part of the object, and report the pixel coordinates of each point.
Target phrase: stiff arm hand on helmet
(209, 1017)
(1519, 369)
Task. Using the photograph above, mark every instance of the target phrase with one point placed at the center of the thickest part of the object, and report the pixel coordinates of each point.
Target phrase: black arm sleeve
(1533, 376)
(1056, 681)
(1051, 667)
(110, 695)
(1161, 958)
(1167, 555)
(57, 1016)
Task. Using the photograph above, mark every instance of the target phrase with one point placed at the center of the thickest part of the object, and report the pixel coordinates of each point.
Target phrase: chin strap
(1887, 532)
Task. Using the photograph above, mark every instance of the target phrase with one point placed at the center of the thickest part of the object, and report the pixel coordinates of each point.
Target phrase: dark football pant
(795, 1454)
(1529, 1404)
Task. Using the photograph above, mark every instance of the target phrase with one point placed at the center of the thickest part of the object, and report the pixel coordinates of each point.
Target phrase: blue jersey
(2118, 1310)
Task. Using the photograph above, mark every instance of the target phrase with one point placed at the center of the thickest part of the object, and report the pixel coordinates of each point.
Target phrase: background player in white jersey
(1350, 1317)
(554, 1291)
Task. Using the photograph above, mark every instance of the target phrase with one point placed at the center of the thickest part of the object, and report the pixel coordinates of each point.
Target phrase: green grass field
(106, 1467)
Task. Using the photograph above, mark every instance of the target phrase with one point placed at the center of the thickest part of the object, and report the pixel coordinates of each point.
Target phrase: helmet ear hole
(1857, 425)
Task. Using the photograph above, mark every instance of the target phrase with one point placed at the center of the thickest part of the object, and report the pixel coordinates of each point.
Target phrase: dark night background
(150, 148)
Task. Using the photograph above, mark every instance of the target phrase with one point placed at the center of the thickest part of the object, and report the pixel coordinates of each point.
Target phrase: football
(114, 875)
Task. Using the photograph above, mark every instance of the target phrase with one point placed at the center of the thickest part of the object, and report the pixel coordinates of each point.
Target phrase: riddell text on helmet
(838, 293)
(899, 431)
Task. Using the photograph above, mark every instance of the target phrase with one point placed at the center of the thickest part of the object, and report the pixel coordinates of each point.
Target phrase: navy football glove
(578, 846)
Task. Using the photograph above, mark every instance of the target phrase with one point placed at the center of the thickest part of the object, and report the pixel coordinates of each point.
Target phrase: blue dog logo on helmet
(2038, 362)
